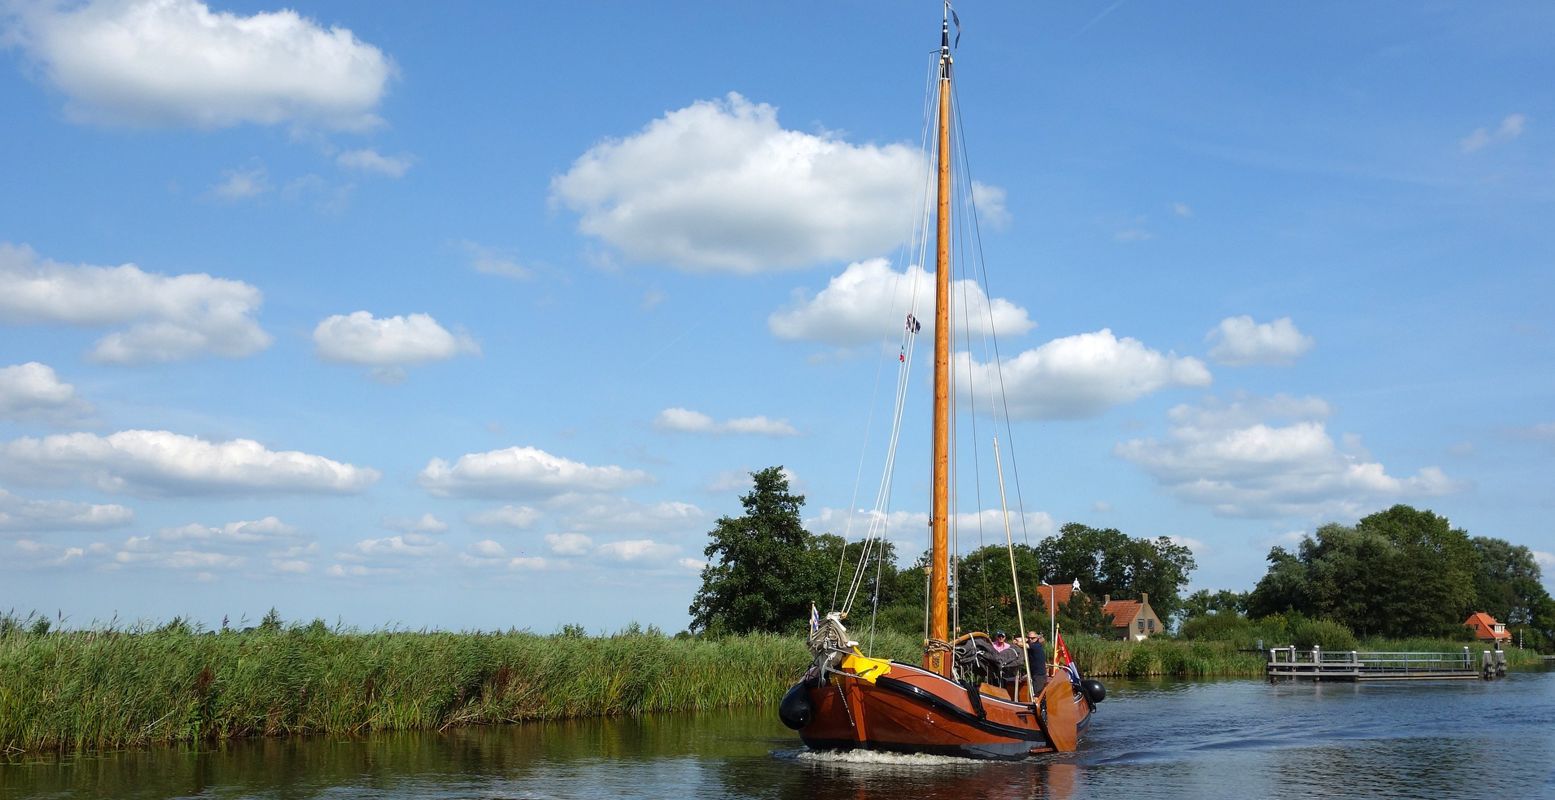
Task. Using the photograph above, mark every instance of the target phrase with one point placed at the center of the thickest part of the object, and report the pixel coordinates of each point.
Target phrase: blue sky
(478, 315)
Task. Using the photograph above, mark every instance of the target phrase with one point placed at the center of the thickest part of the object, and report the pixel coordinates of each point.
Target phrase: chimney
(1144, 598)
(1105, 599)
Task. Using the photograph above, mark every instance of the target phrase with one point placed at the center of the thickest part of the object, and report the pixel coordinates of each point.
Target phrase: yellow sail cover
(867, 668)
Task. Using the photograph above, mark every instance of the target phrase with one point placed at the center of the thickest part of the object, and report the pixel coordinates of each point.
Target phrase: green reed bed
(101, 689)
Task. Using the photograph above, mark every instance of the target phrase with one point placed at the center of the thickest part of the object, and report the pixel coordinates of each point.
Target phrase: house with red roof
(1132, 619)
(1486, 629)
(1053, 596)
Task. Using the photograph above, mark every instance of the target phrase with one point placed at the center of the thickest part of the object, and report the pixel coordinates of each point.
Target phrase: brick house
(1486, 628)
(1132, 619)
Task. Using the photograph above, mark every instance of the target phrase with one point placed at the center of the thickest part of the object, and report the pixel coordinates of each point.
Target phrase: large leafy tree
(764, 569)
(761, 574)
(1108, 562)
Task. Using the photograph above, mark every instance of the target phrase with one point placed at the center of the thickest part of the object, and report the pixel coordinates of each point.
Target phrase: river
(1155, 739)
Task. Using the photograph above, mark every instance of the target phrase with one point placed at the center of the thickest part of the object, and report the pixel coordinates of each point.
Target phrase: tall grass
(103, 689)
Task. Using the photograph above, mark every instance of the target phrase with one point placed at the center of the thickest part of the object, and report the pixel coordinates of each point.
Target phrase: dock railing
(1353, 665)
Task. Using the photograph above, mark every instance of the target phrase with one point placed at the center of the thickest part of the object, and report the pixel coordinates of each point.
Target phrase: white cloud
(369, 160)
(719, 186)
(909, 526)
(31, 553)
(407, 545)
(1239, 341)
(508, 516)
(169, 318)
(531, 563)
(1182, 209)
(159, 462)
(1082, 376)
(361, 338)
(1545, 560)
(869, 302)
(260, 531)
(522, 471)
(1198, 547)
(990, 204)
(686, 421)
(426, 523)
(487, 548)
(32, 391)
(569, 544)
(292, 566)
(241, 184)
(33, 516)
(1510, 128)
(492, 261)
(620, 515)
(637, 551)
(176, 62)
(740, 481)
(1221, 458)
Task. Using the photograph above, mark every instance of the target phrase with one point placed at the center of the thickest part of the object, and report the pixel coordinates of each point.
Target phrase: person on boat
(999, 643)
(1036, 650)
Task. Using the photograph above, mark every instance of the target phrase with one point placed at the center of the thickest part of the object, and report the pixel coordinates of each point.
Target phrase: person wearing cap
(999, 643)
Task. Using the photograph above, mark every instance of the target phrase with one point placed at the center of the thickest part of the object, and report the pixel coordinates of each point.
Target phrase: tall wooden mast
(939, 575)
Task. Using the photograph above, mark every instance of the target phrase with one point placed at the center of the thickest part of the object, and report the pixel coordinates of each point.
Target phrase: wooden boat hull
(913, 710)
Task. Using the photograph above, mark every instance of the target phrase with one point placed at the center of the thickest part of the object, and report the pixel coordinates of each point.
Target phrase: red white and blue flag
(815, 619)
(1063, 661)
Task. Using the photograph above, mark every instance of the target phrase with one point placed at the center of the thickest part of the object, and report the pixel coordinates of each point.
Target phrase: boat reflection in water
(867, 775)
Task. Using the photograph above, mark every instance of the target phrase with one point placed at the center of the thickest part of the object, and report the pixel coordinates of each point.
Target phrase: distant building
(1132, 619)
(1486, 628)
(1053, 596)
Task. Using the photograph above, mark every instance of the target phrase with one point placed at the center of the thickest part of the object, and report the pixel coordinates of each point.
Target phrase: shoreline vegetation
(112, 688)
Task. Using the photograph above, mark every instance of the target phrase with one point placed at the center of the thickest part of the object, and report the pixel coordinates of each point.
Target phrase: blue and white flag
(815, 619)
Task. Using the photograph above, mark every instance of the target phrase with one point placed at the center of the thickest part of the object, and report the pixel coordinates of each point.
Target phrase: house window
(1152, 626)
(1141, 626)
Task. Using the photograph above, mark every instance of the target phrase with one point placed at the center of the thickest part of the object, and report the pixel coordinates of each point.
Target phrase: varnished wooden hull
(912, 710)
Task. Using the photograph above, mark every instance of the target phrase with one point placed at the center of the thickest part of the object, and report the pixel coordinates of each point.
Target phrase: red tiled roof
(1060, 592)
(1123, 612)
(1484, 627)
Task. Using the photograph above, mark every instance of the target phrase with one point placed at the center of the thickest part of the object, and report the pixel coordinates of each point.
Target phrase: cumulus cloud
(241, 184)
(620, 515)
(35, 516)
(426, 523)
(361, 338)
(683, 420)
(491, 261)
(990, 204)
(176, 62)
(1219, 456)
(1240, 342)
(740, 481)
(260, 531)
(369, 160)
(1081, 376)
(909, 526)
(522, 471)
(569, 544)
(1510, 128)
(164, 463)
(720, 186)
(33, 392)
(508, 516)
(870, 301)
(405, 545)
(169, 318)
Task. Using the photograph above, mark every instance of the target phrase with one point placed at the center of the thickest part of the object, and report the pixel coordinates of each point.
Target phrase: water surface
(1166, 739)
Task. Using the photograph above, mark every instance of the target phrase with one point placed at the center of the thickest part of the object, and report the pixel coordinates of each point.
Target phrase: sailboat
(953, 702)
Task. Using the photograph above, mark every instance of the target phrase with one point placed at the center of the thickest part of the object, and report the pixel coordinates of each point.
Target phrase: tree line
(1398, 573)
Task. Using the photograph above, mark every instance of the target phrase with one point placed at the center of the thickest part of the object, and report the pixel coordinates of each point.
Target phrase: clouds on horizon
(720, 186)
(164, 463)
(178, 63)
(1270, 458)
(168, 318)
(683, 420)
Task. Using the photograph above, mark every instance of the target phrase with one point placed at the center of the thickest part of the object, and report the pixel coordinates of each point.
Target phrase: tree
(764, 569)
(1204, 603)
(1108, 562)
(984, 594)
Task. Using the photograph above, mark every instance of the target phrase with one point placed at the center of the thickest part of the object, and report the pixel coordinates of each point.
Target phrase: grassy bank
(69, 690)
(106, 689)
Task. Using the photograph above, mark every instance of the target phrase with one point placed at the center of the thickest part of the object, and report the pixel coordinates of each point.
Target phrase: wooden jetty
(1318, 664)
